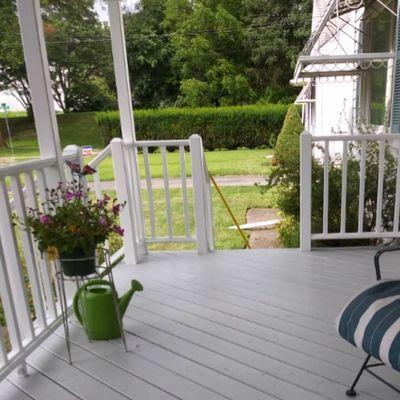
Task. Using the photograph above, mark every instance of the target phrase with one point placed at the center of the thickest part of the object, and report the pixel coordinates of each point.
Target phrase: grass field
(81, 129)
(219, 163)
(240, 199)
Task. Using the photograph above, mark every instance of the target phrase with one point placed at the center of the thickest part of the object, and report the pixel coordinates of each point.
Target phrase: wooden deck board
(230, 325)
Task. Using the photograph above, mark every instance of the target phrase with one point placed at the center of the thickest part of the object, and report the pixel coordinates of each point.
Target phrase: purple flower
(45, 219)
(69, 195)
(100, 203)
(116, 209)
(118, 230)
(79, 194)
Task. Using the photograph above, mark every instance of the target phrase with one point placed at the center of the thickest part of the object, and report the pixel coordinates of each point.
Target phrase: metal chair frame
(366, 366)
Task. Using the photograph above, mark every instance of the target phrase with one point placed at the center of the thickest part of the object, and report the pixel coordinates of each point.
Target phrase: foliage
(222, 127)
(185, 53)
(287, 176)
(70, 220)
(12, 66)
(153, 80)
(277, 31)
(214, 53)
(78, 52)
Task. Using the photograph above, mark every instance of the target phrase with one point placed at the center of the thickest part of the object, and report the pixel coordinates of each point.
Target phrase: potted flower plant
(72, 223)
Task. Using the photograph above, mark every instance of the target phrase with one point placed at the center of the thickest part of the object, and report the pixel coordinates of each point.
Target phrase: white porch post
(305, 191)
(199, 195)
(121, 72)
(122, 184)
(37, 69)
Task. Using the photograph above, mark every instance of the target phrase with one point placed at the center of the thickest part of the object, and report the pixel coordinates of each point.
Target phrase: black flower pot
(77, 263)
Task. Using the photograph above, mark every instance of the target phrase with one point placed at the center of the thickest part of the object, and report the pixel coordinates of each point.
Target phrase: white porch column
(305, 190)
(37, 69)
(121, 72)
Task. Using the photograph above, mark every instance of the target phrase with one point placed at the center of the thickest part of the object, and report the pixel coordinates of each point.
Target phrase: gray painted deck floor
(234, 325)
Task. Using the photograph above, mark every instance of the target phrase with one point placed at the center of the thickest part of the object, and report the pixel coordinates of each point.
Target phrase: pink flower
(118, 230)
(45, 219)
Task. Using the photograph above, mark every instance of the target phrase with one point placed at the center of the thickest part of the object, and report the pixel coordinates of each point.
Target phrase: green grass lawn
(74, 128)
(219, 163)
(81, 129)
(223, 162)
(240, 198)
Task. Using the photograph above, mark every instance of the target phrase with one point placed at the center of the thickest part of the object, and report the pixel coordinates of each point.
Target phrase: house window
(379, 28)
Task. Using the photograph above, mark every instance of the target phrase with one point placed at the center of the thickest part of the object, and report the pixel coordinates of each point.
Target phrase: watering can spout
(126, 298)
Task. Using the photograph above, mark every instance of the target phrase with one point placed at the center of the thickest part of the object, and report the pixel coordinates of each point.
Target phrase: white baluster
(166, 191)
(14, 266)
(361, 193)
(186, 218)
(325, 212)
(28, 248)
(149, 187)
(343, 202)
(379, 196)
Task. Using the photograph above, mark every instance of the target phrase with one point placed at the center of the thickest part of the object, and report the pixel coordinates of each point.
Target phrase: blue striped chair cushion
(371, 321)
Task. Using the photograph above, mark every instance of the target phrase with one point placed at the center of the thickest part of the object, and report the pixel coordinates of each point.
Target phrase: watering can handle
(75, 304)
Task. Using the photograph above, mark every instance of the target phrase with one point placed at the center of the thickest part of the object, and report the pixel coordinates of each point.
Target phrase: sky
(101, 9)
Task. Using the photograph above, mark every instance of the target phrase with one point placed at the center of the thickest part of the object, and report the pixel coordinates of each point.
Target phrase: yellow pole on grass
(246, 241)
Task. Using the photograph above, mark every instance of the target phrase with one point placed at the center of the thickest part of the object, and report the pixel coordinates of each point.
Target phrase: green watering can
(95, 308)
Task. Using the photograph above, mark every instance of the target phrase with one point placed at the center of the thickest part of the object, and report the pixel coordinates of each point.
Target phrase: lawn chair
(371, 322)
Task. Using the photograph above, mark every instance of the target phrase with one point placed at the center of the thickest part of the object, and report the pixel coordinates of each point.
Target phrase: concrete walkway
(176, 183)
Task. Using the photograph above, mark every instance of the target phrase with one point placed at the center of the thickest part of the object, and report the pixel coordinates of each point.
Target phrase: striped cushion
(371, 321)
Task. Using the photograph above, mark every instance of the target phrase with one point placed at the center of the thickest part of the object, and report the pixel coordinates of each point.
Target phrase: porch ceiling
(229, 325)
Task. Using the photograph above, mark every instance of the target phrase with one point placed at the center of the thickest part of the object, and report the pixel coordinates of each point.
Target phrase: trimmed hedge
(220, 127)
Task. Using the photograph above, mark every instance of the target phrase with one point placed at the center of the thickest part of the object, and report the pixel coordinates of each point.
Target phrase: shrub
(286, 176)
(220, 127)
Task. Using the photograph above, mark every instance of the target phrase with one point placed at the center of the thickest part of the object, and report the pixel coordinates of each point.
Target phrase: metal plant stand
(104, 271)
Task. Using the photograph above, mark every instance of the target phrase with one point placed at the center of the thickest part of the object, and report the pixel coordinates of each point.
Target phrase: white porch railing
(27, 290)
(337, 150)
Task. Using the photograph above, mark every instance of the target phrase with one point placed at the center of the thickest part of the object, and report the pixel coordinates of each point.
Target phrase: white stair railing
(193, 213)
(336, 150)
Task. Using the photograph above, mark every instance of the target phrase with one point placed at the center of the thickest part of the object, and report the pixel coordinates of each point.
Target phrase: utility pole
(5, 109)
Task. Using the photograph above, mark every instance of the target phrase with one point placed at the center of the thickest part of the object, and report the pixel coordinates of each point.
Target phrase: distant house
(346, 68)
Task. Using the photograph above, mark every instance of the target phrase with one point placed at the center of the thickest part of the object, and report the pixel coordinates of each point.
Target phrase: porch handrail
(26, 166)
(339, 145)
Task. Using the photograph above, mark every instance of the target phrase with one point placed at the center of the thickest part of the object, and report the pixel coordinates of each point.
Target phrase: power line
(157, 35)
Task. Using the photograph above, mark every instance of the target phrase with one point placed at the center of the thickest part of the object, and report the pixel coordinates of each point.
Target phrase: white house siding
(319, 7)
(334, 96)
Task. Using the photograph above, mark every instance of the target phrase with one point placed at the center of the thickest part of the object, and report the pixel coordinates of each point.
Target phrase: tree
(153, 81)
(209, 53)
(79, 55)
(12, 66)
(276, 33)
(78, 51)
